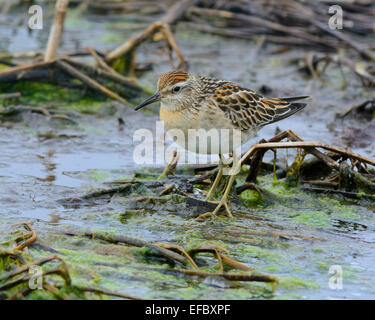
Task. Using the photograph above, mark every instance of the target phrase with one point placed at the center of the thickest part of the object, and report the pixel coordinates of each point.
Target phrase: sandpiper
(191, 103)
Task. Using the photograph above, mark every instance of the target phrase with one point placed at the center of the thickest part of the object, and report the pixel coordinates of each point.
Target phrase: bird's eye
(176, 89)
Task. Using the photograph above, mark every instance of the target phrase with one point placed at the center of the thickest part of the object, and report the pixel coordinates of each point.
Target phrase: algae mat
(295, 236)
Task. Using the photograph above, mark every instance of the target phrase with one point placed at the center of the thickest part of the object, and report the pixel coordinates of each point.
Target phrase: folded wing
(249, 110)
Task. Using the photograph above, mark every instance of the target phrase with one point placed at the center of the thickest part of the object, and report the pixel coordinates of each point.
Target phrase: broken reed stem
(38, 262)
(180, 249)
(168, 189)
(357, 68)
(106, 67)
(20, 69)
(55, 292)
(56, 30)
(16, 255)
(173, 14)
(166, 29)
(305, 144)
(295, 137)
(208, 175)
(108, 293)
(63, 273)
(254, 276)
(347, 194)
(93, 72)
(37, 54)
(214, 249)
(75, 73)
(174, 156)
(132, 43)
(178, 10)
(342, 37)
(259, 21)
(269, 234)
(13, 95)
(257, 151)
(250, 186)
(169, 254)
(360, 107)
(101, 62)
(31, 237)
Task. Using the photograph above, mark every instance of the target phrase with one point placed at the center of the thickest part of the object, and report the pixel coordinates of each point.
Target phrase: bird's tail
(285, 107)
(292, 99)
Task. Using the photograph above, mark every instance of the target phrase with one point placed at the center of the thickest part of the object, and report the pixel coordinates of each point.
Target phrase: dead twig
(75, 73)
(26, 267)
(169, 254)
(169, 188)
(20, 69)
(278, 235)
(215, 250)
(306, 144)
(10, 95)
(171, 164)
(166, 29)
(100, 291)
(259, 21)
(106, 67)
(368, 106)
(114, 77)
(181, 250)
(173, 14)
(132, 43)
(56, 30)
(348, 178)
(353, 195)
(251, 276)
(30, 237)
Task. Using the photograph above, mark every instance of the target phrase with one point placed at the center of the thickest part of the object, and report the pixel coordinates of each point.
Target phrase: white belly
(204, 134)
(213, 141)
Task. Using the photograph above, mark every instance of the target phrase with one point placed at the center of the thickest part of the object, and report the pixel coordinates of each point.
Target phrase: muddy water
(43, 160)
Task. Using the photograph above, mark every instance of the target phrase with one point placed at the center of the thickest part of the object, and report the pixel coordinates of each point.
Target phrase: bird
(195, 104)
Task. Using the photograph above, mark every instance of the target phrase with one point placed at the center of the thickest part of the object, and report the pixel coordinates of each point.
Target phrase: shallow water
(36, 171)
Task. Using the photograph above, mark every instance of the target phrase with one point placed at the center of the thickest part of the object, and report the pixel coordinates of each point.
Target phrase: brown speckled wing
(249, 110)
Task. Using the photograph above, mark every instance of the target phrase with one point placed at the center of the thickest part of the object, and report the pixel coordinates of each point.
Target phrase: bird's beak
(152, 99)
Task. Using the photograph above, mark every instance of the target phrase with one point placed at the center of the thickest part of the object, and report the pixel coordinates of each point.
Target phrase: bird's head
(174, 91)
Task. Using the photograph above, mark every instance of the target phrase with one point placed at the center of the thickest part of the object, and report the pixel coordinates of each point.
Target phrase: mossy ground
(297, 243)
(55, 97)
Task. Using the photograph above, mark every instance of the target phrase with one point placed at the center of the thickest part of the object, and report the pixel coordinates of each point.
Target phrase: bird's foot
(223, 202)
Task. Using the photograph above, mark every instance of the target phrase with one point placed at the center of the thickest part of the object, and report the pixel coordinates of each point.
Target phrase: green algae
(326, 209)
(38, 93)
(293, 283)
(273, 267)
(98, 175)
(86, 105)
(251, 198)
(95, 262)
(310, 218)
(262, 253)
(322, 266)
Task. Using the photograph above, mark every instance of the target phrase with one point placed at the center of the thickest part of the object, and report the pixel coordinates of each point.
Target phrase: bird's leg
(225, 198)
(219, 175)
